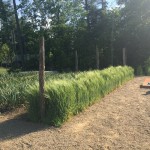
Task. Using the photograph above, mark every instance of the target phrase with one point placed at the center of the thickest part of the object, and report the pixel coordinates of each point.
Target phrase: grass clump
(14, 87)
(12, 90)
(3, 70)
(68, 96)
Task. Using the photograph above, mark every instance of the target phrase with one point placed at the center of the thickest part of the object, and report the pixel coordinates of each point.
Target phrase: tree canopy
(87, 29)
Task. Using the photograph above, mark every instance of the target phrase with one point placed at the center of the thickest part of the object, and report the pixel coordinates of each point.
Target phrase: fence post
(76, 61)
(41, 77)
(97, 57)
(124, 56)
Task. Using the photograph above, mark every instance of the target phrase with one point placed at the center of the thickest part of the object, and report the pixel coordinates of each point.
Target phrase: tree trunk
(124, 56)
(103, 4)
(21, 42)
(97, 58)
(87, 10)
(41, 77)
(76, 61)
(111, 45)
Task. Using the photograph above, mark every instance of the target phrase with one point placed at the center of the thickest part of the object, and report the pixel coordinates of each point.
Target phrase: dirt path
(121, 121)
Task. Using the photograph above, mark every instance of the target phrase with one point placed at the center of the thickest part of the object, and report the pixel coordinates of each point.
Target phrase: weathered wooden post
(97, 57)
(76, 61)
(41, 77)
(124, 56)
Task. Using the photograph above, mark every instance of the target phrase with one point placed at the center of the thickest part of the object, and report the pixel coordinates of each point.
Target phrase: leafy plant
(147, 66)
(68, 96)
(139, 71)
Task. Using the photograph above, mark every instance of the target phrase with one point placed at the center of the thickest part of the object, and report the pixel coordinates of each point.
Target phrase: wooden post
(124, 56)
(76, 61)
(41, 77)
(112, 41)
(97, 58)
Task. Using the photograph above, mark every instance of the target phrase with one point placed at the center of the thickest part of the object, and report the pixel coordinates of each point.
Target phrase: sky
(111, 3)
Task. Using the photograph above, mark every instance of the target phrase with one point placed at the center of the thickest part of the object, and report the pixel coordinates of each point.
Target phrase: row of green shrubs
(67, 97)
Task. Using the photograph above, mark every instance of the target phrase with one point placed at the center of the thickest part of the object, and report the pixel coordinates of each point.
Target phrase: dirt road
(120, 121)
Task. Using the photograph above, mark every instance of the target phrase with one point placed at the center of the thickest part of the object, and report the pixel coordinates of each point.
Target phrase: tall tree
(20, 37)
(135, 30)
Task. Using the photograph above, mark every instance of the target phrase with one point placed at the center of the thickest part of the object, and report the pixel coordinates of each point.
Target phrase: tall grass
(3, 70)
(13, 87)
(68, 96)
(65, 94)
(12, 90)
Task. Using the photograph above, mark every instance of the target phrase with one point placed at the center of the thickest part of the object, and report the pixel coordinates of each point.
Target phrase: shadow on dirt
(147, 93)
(17, 127)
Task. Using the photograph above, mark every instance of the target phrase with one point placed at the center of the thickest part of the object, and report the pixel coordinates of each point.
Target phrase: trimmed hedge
(67, 97)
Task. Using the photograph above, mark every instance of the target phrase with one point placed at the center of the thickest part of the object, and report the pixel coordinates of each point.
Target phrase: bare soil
(120, 121)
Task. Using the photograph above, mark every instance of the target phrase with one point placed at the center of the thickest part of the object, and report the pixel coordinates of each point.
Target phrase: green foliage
(139, 71)
(70, 26)
(134, 31)
(68, 96)
(13, 87)
(4, 53)
(3, 70)
(12, 90)
(147, 66)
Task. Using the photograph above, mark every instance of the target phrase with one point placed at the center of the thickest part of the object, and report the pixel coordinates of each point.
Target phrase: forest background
(87, 33)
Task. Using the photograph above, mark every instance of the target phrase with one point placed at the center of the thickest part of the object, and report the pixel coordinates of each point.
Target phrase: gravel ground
(120, 121)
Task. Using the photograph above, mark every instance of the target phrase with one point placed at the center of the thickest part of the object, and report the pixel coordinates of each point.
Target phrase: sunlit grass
(68, 96)
(3, 70)
(13, 86)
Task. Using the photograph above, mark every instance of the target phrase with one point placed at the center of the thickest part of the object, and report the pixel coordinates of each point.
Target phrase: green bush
(67, 97)
(148, 71)
(147, 66)
(139, 71)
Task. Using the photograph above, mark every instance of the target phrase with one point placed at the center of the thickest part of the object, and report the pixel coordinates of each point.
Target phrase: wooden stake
(41, 77)
(76, 61)
(124, 56)
(97, 58)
